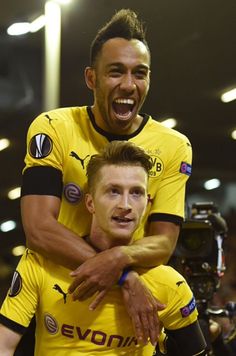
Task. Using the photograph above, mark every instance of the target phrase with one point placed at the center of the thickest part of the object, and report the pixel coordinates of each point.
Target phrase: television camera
(199, 257)
(199, 254)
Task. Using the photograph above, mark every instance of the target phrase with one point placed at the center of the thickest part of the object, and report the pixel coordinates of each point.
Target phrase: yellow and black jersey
(60, 144)
(65, 327)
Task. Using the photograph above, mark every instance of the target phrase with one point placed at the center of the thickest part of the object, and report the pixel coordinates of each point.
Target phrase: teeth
(125, 101)
(122, 219)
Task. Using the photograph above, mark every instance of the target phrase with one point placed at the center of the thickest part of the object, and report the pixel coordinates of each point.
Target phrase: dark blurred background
(193, 47)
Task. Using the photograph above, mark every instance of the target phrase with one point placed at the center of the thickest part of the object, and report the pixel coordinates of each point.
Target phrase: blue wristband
(123, 276)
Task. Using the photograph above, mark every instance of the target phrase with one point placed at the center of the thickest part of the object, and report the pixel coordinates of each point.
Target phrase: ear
(89, 203)
(90, 77)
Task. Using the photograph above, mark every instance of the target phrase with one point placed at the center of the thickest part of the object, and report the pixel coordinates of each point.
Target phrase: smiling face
(117, 204)
(120, 82)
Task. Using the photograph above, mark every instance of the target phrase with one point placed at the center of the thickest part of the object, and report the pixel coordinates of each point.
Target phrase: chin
(122, 237)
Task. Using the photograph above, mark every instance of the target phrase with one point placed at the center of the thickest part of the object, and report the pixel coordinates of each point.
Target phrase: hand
(142, 308)
(97, 274)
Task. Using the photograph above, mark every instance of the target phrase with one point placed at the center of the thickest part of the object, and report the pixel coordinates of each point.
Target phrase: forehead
(123, 175)
(120, 50)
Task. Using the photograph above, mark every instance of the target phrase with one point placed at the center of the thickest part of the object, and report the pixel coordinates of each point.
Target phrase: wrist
(130, 280)
(123, 276)
(120, 255)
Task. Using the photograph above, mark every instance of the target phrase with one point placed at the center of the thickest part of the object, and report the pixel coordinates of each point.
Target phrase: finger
(76, 282)
(82, 290)
(154, 328)
(87, 294)
(137, 328)
(75, 272)
(160, 306)
(97, 300)
(145, 326)
(154, 322)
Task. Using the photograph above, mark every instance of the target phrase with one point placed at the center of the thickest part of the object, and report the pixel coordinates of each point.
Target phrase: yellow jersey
(65, 327)
(60, 144)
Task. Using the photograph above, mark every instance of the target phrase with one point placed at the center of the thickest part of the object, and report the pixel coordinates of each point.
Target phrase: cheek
(101, 217)
(145, 88)
(142, 207)
(143, 91)
(108, 85)
(103, 206)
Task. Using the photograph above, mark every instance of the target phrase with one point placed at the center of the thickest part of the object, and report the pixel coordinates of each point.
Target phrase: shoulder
(37, 268)
(58, 123)
(60, 117)
(162, 130)
(31, 258)
(170, 287)
(165, 276)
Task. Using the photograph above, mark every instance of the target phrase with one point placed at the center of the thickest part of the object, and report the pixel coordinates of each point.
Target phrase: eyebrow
(119, 64)
(111, 185)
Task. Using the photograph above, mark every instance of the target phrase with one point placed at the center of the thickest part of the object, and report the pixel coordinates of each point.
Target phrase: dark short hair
(121, 153)
(124, 24)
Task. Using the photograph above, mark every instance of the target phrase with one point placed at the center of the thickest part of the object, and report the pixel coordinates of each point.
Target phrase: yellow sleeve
(170, 288)
(181, 308)
(21, 301)
(170, 194)
(46, 141)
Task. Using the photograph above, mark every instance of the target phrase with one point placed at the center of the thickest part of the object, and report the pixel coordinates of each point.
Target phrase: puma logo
(179, 283)
(58, 288)
(73, 154)
(28, 252)
(49, 119)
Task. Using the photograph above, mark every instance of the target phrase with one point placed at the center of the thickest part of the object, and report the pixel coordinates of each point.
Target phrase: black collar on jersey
(112, 137)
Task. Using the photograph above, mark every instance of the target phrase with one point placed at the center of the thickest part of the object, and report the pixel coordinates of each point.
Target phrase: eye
(114, 191)
(141, 74)
(115, 73)
(137, 192)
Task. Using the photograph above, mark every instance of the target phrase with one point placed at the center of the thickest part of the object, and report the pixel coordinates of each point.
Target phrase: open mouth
(121, 219)
(123, 108)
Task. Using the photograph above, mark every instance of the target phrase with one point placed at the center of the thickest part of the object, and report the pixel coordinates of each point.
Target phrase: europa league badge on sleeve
(40, 146)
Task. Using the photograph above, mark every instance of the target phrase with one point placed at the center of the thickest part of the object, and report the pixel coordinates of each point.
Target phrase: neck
(88, 240)
(100, 241)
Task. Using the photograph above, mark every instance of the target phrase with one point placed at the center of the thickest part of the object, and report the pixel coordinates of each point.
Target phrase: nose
(124, 202)
(128, 83)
